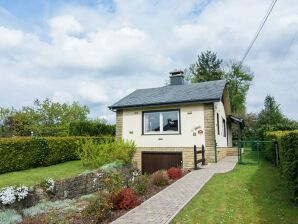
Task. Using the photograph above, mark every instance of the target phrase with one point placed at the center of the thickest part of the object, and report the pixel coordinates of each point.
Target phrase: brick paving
(164, 206)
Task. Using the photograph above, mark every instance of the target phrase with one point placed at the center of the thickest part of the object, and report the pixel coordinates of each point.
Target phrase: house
(166, 122)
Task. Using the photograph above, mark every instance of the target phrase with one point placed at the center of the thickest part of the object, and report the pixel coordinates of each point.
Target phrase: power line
(259, 30)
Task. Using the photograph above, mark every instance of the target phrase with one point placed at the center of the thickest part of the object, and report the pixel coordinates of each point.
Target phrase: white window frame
(161, 131)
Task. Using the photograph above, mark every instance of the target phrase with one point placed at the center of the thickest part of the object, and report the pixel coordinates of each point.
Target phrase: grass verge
(248, 194)
(34, 176)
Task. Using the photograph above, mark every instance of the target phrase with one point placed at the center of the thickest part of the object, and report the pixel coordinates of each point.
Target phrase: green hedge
(288, 154)
(24, 153)
(91, 128)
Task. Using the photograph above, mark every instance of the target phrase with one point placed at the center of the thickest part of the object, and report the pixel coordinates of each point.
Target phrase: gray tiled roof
(198, 92)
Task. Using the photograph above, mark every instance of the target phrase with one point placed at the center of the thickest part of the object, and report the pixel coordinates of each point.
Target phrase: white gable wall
(220, 139)
(191, 117)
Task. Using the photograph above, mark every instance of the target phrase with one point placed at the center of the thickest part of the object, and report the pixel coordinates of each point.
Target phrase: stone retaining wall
(79, 185)
(73, 187)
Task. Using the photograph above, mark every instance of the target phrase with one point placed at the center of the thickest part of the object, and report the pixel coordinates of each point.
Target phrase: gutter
(114, 108)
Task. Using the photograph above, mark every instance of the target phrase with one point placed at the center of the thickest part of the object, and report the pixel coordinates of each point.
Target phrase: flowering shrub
(125, 199)
(160, 178)
(11, 194)
(174, 173)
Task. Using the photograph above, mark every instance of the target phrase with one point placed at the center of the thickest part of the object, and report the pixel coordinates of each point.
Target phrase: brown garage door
(153, 161)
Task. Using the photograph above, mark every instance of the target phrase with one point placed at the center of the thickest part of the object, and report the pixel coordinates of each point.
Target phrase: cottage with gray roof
(166, 122)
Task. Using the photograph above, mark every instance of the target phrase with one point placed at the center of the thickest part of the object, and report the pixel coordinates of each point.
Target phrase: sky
(97, 51)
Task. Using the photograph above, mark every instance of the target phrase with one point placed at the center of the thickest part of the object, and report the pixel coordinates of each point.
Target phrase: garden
(34, 181)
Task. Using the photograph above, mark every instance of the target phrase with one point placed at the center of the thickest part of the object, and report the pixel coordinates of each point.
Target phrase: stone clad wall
(119, 124)
(209, 124)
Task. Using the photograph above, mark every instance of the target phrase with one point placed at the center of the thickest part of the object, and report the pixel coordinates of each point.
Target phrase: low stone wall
(79, 185)
(68, 188)
(222, 152)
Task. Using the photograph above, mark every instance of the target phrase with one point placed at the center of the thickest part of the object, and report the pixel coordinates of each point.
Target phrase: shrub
(91, 128)
(11, 194)
(96, 154)
(174, 173)
(24, 153)
(141, 184)
(160, 178)
(100, 207)
(10, 216)
(125, 199)
(288, 154)
(47, 206)
(112, 182)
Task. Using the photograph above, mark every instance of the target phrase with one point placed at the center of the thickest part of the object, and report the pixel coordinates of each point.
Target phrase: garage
(153, 161)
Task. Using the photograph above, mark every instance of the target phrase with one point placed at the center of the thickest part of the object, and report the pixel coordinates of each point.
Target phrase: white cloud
(93, 92)
(63, 25)
(98, 55)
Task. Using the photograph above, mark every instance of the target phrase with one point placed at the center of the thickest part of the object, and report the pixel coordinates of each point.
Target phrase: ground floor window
(161, 122)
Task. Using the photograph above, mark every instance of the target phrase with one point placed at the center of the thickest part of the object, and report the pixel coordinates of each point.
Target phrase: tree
(271, 113)
(271, 118)
(239, 79)
(45, 118)
(207, 68)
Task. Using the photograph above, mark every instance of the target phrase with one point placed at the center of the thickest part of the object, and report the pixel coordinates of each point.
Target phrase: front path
(164, 206)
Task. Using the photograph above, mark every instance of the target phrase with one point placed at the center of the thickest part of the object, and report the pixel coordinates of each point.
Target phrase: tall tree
(209, 67)
(239, 79)
(206, 68)
(271, 113)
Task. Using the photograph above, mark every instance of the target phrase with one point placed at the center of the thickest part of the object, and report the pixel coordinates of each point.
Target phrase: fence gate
(250, 152)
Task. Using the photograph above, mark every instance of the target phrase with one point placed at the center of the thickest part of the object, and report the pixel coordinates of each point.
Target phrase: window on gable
(217, 120)
(161, 122)
(224, 127)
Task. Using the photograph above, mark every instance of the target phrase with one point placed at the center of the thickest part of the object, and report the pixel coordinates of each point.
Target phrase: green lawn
(34, 176)
(248, 194)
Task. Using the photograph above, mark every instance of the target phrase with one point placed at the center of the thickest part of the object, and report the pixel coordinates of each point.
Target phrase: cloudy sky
(96, 52)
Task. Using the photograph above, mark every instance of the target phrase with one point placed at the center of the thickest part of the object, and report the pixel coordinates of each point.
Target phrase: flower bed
(118, 194)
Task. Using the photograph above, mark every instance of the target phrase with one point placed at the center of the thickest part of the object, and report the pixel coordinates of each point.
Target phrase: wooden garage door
(153, 161)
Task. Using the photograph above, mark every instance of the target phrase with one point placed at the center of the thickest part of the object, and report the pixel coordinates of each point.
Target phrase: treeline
(270, 118)
(48, 118)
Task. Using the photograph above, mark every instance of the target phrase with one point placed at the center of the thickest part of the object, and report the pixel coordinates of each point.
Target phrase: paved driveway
(164, 206)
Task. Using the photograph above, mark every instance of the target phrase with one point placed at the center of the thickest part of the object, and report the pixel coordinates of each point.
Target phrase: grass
(248, 194)
(34, 176)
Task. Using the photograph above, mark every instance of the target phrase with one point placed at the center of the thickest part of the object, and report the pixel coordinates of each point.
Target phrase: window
(217, 120)
(161, 122)
(224, 127)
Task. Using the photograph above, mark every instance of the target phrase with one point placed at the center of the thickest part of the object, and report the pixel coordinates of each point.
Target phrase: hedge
(91, 128)
(24, 153)
(288, 156)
